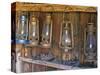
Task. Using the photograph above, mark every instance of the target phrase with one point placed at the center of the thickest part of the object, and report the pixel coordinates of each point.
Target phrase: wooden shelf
(22, 6)
(46, 63)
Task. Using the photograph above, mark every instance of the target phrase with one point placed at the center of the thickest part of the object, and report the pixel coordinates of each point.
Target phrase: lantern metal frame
(95, 54)
(47, 45)
(21, 38)
(34, 40)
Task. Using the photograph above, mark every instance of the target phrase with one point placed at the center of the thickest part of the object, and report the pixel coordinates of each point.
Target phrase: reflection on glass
(46, 33)
(23, 22)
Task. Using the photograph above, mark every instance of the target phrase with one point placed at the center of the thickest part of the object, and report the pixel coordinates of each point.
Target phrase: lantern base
(46, 45)
(34, 43)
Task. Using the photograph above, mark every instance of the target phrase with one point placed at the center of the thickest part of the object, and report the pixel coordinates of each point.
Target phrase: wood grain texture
(46, 63)
(21, 6)
(79, 16)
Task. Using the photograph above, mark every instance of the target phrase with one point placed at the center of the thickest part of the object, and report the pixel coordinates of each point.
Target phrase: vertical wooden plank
(74, 19)
(84, 19)
(57, 21)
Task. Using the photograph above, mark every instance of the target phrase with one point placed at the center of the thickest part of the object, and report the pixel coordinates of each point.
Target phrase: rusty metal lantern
(22, 27)
(90, 46)
(66, 39)
(47, 31)
(33, 29)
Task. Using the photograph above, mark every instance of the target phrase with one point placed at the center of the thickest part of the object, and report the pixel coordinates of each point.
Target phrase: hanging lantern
(34, 30)
(66, 39)
(90, 46)
(22, 27)
(47, 31)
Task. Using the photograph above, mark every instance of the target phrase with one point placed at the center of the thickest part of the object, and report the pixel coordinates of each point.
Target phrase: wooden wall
(79, 16)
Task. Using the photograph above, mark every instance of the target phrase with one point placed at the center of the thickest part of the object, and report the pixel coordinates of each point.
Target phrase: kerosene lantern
(31, 50)
(90, 47)
(33, 29)
(22, 27)
(46, 37)
(66, 39)
(21, 36)
(47, 31)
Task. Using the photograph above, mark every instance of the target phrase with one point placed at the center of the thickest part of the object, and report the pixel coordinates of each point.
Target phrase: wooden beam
(22, 6)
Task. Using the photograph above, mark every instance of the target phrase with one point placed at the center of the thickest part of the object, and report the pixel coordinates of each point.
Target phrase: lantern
(22, 27)
(90, 46)
(47, 31)
(34, 30)
(66, 39)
